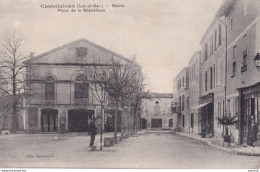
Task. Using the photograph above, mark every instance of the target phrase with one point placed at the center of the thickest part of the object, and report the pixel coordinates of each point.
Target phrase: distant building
(157, 111)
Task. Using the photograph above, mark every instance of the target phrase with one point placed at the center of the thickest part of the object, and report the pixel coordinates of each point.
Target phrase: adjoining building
(193, 94)
(157, 111)
(229, 79)
(243, 76)
(61, 99)
(181, 87)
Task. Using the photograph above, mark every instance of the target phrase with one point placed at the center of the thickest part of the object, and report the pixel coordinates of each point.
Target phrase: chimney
(31, 55)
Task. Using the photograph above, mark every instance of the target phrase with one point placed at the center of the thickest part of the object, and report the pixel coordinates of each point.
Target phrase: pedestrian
(92, 131)
(252, 132)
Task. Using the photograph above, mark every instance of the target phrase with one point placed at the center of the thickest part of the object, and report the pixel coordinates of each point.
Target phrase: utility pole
(225, 85)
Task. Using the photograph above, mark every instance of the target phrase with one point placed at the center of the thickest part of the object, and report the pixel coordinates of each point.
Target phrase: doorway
(170, 123)
(156, 123)
(49, 120)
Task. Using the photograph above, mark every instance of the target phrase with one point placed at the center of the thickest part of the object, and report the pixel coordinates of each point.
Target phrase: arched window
(49, 89)
(81, 87)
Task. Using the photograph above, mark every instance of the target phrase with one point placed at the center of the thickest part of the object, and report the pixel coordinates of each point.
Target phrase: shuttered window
(49, 91)
(81, 90)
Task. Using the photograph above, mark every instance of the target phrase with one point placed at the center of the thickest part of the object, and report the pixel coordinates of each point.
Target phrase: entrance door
(156, 123)
(49, 120)
(192, 120)
(170, 123)
(144, 123)
(78, 119)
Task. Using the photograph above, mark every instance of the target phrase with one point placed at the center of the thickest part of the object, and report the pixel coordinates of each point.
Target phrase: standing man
(252, 132)
(92, 131)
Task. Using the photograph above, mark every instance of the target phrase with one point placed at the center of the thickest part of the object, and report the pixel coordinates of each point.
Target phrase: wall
(165, 111)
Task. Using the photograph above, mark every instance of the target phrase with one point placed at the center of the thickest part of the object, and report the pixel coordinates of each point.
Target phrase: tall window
(206, 80)
(157, 108)
(81, 88)
(211, 77)
(219, 111)
(234, 51)
(180, 103)
(214, 76)
(234, 69)
(49, 89)
(244, 65)
(206, 51)
(188, 103)
(192, 120)
(183, 104)
(211, 45)
(231, 23)
(183, 120)
(215, 40)
(219, 34)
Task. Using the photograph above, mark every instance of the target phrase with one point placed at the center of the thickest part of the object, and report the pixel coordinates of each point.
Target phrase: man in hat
(92, 131)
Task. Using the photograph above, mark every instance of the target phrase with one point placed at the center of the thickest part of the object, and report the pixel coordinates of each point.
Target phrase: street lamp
(257, 61)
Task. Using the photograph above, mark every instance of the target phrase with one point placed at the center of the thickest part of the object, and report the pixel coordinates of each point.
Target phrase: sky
(162, 34)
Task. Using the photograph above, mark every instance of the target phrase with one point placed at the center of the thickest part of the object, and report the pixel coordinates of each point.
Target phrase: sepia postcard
(129, 84)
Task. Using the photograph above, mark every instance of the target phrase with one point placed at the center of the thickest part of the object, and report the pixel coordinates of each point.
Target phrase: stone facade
(156, 111)
(179, 96)
(193, 94)
(60, 99)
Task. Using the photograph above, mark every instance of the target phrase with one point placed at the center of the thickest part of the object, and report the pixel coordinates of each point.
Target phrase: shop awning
(202, 105)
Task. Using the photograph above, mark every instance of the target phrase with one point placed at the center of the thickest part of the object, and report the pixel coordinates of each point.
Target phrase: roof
(223, 10)
(181, 73)
(71, 43)
(196, 54)
(160, 95)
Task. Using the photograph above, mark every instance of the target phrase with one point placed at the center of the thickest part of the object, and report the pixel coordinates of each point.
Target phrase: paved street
(150, 150)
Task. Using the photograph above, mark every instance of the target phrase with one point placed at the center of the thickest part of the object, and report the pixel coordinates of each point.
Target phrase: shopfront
(249, 110)
(206, 113)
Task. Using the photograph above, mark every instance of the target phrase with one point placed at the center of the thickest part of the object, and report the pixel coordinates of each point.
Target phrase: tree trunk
(102, 121)
(116, 115)
(128, 122)
(14, 122)
(135, 121)
(122, 122)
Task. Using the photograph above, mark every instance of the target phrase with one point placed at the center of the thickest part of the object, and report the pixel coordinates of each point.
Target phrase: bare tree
(139, 94)
(114, 75)
(12, 70)
(101, 96)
